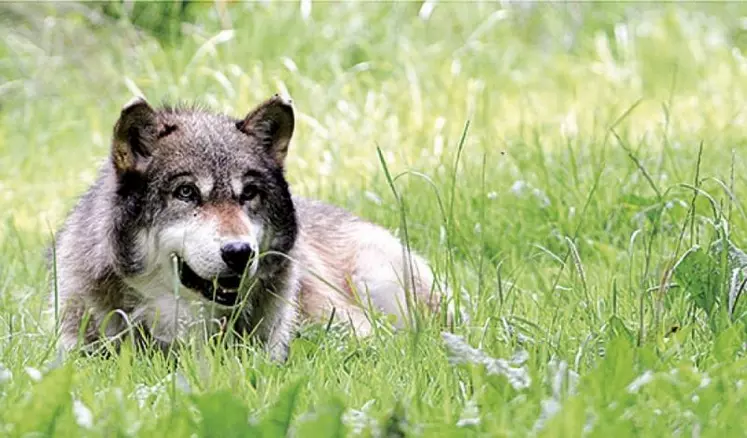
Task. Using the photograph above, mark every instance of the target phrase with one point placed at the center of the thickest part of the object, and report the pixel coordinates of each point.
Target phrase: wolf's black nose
(236, 255)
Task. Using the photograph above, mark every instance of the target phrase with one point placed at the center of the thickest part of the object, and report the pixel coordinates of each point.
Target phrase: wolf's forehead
(202, 128)
(207, 142)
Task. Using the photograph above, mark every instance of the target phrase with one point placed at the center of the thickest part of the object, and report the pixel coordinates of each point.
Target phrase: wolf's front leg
(272, 318)
(277, 343)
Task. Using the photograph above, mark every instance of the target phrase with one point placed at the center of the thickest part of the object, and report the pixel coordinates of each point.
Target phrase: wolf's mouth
(224, 290)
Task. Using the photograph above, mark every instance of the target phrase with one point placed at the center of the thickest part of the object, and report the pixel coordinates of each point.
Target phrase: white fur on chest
(169, 310)
(170, 315)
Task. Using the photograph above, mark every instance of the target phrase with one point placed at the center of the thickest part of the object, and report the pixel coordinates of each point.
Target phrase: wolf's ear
(134, 135)
(272, 124)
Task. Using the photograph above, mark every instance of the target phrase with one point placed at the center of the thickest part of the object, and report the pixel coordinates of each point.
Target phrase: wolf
(190, 227)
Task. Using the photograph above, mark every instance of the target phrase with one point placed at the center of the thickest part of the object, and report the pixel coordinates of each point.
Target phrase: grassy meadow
(574, 171)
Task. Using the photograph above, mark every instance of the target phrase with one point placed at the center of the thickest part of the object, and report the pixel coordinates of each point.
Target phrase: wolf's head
(206, 188)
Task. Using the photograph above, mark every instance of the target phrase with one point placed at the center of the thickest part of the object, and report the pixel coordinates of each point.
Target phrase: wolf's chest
(169, 317)
(170, 314)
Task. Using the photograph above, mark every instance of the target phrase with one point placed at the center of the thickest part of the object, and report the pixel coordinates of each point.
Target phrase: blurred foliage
(162, 19)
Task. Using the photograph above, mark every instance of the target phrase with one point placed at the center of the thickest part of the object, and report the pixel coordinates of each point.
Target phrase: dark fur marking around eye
(167, 130)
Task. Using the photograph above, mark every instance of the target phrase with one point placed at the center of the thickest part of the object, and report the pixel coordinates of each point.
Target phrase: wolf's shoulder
(313, 207)
(314, 213)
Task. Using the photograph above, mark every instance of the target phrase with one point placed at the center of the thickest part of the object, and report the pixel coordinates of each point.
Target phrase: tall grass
(590, 221)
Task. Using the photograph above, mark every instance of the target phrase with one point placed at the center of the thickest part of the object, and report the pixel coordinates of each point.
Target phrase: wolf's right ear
(271, 122)
(134, 135)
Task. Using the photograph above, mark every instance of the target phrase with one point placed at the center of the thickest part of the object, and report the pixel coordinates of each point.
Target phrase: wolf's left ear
(134, 136)
(272, 124)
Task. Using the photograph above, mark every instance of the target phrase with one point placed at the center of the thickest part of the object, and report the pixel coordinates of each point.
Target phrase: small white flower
(5, 374)
(519, 357)
(83, 415)
(456, 67)
(33, 373)
(143, 393)
(518, 187)
(470, 415)
(360, 420)
(640, 381)
(461, 352)
(705, 381)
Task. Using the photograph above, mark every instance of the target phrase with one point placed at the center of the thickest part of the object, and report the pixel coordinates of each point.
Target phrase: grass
(604, 143)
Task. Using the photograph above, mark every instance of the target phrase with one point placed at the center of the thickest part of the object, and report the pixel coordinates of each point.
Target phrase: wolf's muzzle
(222, 290)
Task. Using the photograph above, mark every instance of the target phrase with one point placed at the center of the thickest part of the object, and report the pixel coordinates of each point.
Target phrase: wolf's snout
(236, 255)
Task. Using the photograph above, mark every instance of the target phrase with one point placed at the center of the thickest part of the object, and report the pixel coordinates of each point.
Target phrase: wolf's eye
(187, 193)
(249, 193)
